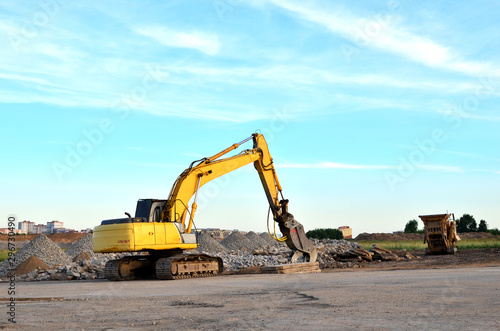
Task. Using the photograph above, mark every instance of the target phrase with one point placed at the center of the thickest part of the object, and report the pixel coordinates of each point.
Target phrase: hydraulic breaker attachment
(296, 239)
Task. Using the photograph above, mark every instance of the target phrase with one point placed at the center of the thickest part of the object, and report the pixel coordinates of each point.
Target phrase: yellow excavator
(164, 228)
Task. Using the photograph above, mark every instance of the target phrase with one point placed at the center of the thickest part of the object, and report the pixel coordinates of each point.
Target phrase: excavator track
(129, 268)
(179, 266)
(184, 266)
(111, 270)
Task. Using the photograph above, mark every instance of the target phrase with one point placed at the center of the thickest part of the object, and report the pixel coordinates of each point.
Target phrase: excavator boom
(189, 182)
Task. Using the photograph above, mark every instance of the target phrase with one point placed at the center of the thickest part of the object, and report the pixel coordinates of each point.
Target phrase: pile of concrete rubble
(46, 261)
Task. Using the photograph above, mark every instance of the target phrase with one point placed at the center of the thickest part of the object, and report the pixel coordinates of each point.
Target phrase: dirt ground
(441, 293)
(463, 258)
(56, 237)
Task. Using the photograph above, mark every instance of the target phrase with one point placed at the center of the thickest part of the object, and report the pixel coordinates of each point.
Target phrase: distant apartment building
(41, 229)
(54, 226)
(346, 232)
(26, 227)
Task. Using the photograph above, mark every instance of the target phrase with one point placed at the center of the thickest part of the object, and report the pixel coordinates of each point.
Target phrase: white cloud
(386, 35)
(440, 168)
(201, 41)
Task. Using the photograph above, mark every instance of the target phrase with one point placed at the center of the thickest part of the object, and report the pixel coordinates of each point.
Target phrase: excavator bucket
(296, 239)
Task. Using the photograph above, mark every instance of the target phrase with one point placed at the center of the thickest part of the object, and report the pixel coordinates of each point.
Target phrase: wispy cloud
(440, 168)
(301, 75)
(333, 165)
(153, 165)
(201, 41)
(468, 155)
(393, 38)
(468, 115)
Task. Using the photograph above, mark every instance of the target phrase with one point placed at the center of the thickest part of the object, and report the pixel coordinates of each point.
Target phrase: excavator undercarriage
(177, 266)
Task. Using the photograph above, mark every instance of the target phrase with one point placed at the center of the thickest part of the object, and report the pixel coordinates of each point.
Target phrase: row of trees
(325, 234)
(466, 223)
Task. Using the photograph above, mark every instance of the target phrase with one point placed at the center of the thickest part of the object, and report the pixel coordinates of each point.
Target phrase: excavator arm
(202, 171)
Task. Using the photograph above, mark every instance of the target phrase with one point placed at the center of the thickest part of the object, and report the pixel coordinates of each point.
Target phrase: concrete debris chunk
(82, 256)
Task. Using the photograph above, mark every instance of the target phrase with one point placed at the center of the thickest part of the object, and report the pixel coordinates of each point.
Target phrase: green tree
(466, 223)
(411, 226)
(494, 232)
(483, 226)
(325, 234)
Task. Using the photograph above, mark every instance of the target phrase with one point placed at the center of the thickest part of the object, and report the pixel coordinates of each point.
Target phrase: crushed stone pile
(84, 244)
(41, 247)
(29, 265)
(44, 260)
(209, 245)
(237, 242)
(256, 240)
(267, 238)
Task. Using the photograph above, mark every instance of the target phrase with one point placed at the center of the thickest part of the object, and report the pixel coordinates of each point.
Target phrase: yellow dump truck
(440, 233)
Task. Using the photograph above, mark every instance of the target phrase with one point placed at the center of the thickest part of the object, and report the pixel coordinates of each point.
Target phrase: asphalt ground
(429, 299)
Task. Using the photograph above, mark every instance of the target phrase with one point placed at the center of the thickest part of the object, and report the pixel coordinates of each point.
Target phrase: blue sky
(375, 112)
